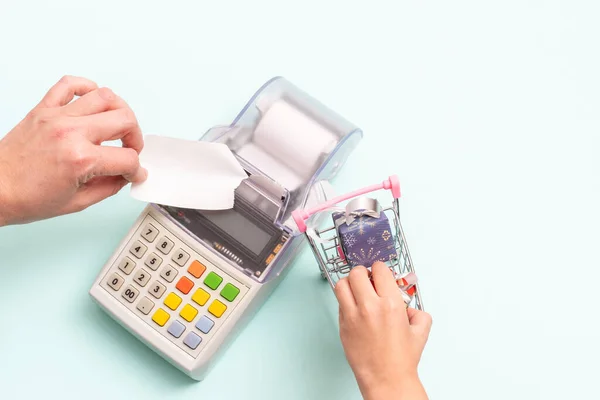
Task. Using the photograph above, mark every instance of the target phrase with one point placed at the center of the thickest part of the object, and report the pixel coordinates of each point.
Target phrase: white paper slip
(188, 174)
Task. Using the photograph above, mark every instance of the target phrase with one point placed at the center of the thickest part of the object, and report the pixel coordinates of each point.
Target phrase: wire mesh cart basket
(335, 261)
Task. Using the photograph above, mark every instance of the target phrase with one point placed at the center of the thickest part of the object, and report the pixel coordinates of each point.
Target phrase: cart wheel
(323, 275)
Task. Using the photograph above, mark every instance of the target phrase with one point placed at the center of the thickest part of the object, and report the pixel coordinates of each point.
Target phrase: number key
(180, 257)
(115, 281)
(130, 294)
(142, 277)
(165, 245)
(126, 265)
(157, 289)
(153, 261)
(138, 249)
(168, 273)
(149, 232)
(145, 305)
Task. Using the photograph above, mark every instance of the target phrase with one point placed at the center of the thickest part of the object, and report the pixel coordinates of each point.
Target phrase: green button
(230, 292)
(213, 280)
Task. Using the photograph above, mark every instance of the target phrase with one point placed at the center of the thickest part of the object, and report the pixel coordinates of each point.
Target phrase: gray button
(126, 265)
(192, 340)
(157, 289)
(149, 232)
(138, 249)
(142, 277)
(176, 328)
(153, 261)
(205, 324)
(168, 273)
(145, 305)
(180, 257)
(164, 245)
(115, 281)
(130, 293)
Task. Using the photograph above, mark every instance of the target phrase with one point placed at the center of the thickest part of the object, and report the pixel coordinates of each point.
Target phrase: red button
(184, 285)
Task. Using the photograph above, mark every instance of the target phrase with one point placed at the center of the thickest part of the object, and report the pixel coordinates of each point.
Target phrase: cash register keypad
(172, 288)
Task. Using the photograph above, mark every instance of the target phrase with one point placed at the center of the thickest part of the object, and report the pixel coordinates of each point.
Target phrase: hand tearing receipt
(188, 174)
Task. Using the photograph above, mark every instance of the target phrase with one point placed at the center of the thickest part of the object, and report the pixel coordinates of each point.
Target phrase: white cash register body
(185, 281)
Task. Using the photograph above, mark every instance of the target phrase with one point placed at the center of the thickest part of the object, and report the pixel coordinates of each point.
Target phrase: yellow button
(201, 297)
(188, 313)
(172, 301)
(217, 308)
(160, 317)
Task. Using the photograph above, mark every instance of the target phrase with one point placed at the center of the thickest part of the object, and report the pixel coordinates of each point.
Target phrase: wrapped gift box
(366, 239)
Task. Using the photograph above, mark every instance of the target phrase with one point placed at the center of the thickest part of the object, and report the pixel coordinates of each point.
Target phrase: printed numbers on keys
(149, 232)
(130, 293)
(165, 245)
(115, 281)
(142, 277)
(157, 289)
(126, 265)
(180, 257)
(153, 261)
(168, 273)
(138, 249)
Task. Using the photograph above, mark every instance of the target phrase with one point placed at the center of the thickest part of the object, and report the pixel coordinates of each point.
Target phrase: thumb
(420, 322)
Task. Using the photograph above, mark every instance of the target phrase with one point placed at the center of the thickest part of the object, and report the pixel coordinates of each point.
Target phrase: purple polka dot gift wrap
(365, 233)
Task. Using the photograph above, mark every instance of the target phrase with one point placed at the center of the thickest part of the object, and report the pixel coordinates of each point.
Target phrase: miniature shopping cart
(327, 246)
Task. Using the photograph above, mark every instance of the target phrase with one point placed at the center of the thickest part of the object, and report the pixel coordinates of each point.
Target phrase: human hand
(382, 339)
(52, 163)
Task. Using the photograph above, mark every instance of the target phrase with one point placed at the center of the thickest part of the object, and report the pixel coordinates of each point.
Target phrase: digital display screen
(240, 228)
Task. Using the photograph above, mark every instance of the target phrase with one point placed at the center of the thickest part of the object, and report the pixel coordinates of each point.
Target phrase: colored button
(217, 308)
(176, 329)
(196, 269)
(172, 301)
(184, 285)
(205, 324)
(192, 340)
(230, 292)
(213, 280)
(201, 296)
(188, 313)
(160, 317)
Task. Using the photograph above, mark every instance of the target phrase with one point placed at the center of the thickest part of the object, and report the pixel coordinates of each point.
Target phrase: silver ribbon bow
(360, 207)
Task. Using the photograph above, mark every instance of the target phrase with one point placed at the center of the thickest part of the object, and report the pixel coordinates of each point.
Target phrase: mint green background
(488, 112)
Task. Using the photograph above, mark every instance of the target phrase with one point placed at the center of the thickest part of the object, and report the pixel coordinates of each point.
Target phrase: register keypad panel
(172, 288)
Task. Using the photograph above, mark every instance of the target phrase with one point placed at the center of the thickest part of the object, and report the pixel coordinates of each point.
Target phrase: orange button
(196, 268)
(184, 285)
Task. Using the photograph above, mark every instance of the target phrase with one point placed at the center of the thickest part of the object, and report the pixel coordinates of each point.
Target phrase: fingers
(344, 295)
(384, 281)
(65, 90)
(361, 284)
(108, 118)
(114, 161)
(111, 125)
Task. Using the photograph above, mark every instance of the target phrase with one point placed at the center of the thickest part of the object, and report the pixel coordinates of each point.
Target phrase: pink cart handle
(300, 216)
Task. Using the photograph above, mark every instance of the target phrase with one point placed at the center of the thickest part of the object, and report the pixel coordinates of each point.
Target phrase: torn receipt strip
(188, 174)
